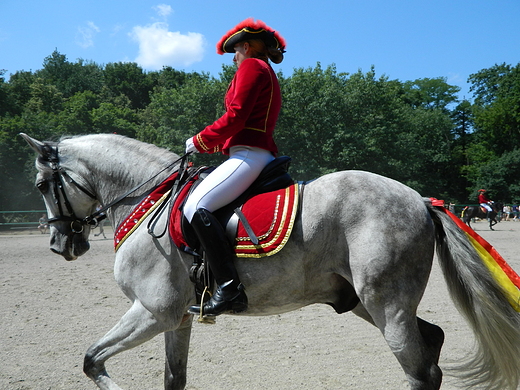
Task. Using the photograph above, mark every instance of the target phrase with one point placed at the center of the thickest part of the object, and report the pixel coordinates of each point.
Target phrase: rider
(484, 201)
(245, 133)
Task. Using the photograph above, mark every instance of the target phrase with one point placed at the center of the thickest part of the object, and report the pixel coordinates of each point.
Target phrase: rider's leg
(222, 186)
(230, 295)
(488, 210)
(229, 180)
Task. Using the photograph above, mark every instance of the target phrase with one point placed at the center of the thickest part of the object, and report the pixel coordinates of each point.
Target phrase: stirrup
(209, 320)
(224, 301)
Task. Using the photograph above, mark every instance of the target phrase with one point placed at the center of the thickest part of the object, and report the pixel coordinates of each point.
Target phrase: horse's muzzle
(69, 246)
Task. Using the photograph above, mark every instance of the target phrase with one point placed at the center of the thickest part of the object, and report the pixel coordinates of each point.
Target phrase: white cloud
(117, 28)
(455, 78)
(85, 35)
(159, 47)
(163, 9)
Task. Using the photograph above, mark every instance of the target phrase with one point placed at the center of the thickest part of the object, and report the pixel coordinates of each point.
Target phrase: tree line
(417, 132)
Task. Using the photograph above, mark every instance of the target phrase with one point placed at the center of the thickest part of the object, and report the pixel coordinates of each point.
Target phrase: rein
(77, 224)
(180, 179)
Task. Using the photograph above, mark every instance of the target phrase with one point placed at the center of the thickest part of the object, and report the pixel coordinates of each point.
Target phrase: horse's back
(363, 196)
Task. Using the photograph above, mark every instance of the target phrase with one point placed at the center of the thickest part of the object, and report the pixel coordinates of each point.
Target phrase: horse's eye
(43, 186)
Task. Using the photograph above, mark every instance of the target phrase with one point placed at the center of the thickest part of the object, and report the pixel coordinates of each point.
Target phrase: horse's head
(68, 199)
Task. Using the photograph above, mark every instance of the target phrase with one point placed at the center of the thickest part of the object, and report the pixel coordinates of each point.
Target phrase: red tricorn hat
(250, 29)
(482, 190)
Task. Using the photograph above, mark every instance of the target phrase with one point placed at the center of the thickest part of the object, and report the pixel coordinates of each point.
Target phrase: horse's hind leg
(390, 279)
(432, 334)
(420, 355)
(410, 339)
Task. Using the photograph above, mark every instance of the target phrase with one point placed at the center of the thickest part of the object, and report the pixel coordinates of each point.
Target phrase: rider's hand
(190, 146)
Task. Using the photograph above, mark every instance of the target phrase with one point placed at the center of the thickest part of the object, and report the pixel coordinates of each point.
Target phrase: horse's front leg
(134, 328)
(177, 343)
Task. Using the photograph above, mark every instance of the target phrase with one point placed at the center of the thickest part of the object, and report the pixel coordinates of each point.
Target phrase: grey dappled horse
(374, 260)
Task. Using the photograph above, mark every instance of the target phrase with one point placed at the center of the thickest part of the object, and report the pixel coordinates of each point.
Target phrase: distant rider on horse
(485, 202)
(245, 133)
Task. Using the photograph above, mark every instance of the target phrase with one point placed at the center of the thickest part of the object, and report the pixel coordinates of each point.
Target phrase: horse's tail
(495, 362)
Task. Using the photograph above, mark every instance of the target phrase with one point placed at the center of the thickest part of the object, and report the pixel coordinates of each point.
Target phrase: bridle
(77, 224)
(58, 175)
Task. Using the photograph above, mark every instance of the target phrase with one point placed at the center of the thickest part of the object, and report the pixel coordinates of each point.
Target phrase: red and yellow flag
(503, 274)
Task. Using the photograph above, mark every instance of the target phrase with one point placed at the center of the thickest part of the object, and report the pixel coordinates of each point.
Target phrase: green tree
(129, 79)
(19, 91)
(500, 177)
(169, 78)
(488, 84)
(44, 97)
(430, 93)
(17, 170)
(76, 118)
(312, 117)
(5, 104)
(57, 70)
(462, 117)
(332, 121)
(497, 107)
(329, 121)
(110, 118)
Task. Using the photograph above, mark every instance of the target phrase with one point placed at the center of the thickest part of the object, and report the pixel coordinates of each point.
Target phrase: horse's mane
(115, 143)
(124, 141)
(125, 160)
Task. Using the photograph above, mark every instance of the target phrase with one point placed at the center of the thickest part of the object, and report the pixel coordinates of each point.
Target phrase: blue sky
(404, 40)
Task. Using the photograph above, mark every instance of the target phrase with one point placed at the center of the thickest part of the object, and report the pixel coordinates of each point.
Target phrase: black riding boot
(230, 295)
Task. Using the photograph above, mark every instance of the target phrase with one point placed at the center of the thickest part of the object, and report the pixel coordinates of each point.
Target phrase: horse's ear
(39, 147)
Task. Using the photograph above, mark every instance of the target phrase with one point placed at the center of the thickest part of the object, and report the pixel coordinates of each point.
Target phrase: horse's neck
(112, 190)
(120, 169)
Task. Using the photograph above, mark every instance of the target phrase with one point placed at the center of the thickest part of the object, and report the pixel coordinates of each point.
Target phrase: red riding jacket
(483, 198)
(253, 102)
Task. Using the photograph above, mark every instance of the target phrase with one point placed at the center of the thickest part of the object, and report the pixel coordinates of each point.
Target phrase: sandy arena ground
(52, 310)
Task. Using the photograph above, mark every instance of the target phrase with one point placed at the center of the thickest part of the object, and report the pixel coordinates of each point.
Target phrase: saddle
(273, 195)
(273, 184)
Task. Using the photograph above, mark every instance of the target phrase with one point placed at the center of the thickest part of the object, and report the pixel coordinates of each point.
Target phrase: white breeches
(229, 180)
(486, 206)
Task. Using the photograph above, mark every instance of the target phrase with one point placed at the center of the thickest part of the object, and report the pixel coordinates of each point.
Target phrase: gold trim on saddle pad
(278, 230)
(131, 223)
